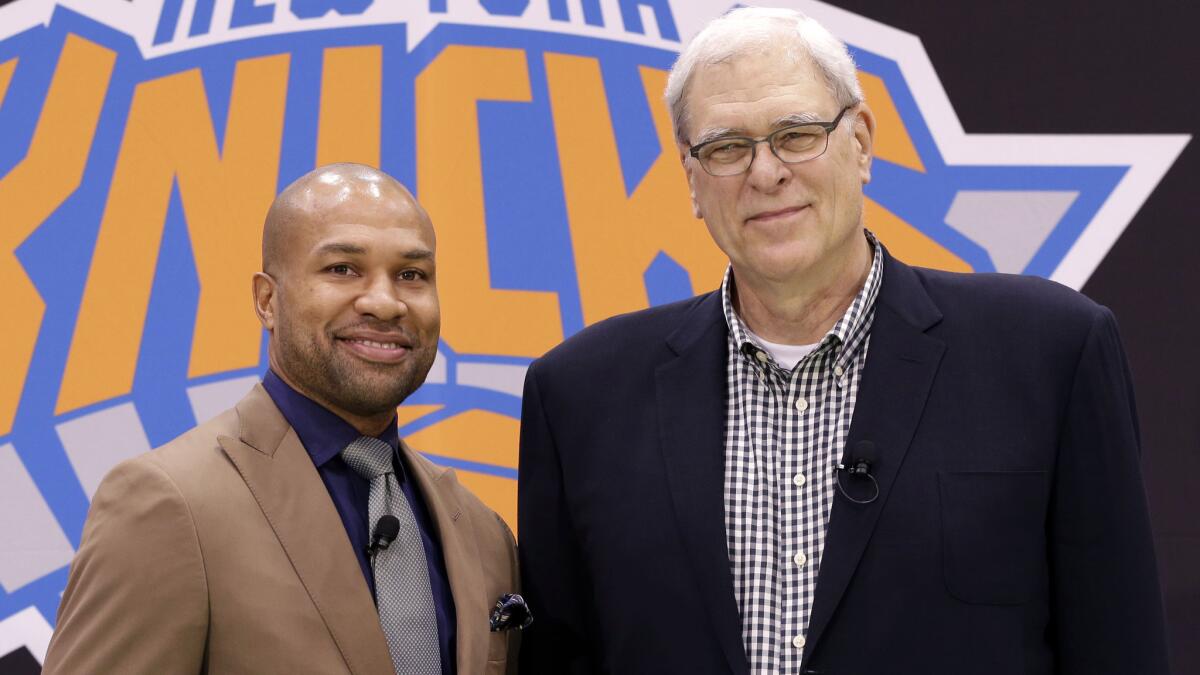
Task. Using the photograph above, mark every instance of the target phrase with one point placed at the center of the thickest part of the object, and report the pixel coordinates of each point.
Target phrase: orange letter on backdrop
(476, 318)
(617, 237)
(225, 195)
(49, 173)
(351, 105)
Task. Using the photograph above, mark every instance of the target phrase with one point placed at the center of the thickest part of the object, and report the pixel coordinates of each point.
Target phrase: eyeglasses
(732, 155)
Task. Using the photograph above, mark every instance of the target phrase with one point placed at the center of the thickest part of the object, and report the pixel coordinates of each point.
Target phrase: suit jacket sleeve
(1108, 607)
(553, 573)
(136, 599)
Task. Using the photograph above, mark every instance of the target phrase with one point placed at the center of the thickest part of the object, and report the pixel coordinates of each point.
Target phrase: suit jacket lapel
(461, 554)
(691, 398)
(901, 364)
(282, 478)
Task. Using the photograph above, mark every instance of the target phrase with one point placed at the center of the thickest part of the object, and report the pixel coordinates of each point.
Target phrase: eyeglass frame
(829, 128)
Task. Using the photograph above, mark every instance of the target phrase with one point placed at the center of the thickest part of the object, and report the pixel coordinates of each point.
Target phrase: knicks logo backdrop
(141, 142)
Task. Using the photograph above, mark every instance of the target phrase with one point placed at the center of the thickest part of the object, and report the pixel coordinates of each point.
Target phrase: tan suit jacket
(221, 552)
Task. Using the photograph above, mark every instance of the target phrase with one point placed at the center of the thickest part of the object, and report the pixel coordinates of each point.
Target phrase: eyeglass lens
(732, 156)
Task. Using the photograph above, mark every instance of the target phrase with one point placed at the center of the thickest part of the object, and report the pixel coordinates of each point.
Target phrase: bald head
(333, 193)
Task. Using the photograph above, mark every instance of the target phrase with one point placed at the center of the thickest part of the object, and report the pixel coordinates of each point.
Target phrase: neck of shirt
(322, 433)
(786, 356)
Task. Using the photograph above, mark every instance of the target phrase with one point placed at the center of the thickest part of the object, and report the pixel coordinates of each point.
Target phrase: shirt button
(801, 404)
(798, 479)
(837, 370)
(761, 356)
(798, 642)
(800, 559)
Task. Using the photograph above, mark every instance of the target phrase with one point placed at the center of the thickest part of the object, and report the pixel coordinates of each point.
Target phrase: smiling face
(349, 293)
(778, 223)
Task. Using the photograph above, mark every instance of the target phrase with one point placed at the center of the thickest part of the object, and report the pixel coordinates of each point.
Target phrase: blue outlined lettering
(632, 18)
(201, 18)
(168, 20)
(249, 13)
(592, 15)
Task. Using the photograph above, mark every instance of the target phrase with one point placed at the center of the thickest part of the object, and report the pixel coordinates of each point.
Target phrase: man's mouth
(379, 349)
(779, 214)
(377, 345)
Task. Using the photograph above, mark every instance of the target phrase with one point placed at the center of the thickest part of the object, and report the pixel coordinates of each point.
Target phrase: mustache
(385, 328)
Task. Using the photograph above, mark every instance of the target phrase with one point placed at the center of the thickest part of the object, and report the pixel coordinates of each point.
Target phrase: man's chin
(783, 264)
(374, 405)
(379, 390)
(377, 387)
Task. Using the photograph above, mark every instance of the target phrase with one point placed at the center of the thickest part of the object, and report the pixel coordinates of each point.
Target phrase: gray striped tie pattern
(402, 591)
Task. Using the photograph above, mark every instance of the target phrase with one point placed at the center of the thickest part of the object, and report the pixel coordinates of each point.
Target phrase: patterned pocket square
(510, 612)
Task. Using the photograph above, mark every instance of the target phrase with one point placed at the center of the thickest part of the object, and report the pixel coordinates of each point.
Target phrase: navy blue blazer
(1010, 535)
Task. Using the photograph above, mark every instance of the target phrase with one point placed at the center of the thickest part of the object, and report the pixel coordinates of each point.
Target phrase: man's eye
(797, 139)
(341, 270)
(726, 150)
(411, 275)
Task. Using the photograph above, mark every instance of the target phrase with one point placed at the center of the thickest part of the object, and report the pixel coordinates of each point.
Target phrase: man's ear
(691, 178)
(264, 286)
(864, 140)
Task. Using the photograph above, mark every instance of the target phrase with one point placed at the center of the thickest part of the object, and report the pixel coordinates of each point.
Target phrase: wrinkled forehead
(753, 90)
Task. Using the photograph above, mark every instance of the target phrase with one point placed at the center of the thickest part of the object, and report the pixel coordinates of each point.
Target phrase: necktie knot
(369, 457)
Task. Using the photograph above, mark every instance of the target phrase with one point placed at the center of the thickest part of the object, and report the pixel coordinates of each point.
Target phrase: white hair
(762, 30)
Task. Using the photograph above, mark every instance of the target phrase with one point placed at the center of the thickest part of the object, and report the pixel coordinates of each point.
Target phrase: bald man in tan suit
(223, 551)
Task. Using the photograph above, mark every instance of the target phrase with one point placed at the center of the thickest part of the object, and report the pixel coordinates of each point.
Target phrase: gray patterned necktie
(402, 591)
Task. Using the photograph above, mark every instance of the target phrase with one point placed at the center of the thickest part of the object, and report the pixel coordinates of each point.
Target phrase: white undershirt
(786, 356)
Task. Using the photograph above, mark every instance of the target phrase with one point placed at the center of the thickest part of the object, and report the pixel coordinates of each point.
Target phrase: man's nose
(380, 299)
(766, 171)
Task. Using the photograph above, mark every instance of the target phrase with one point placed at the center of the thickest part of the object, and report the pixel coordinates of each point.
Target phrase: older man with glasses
(835, 463)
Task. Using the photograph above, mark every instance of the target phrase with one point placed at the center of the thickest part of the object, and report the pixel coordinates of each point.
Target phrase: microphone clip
(385, 532)
(859, 468)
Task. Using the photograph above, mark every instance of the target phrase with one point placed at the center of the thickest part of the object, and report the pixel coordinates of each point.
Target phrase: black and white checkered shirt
(784, 433)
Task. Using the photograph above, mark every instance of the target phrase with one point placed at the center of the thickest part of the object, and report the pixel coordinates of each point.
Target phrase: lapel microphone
(385, 533)
(858, 469)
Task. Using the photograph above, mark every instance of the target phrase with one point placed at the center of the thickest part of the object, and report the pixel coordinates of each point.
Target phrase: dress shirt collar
(849, 331)
(322, 433)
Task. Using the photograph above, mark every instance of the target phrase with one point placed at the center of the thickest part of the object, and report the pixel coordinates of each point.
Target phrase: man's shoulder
(1012, 299)
(188, 463)
(1022, 288)
(193, 448)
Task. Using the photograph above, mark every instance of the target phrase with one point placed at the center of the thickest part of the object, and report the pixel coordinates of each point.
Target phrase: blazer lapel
(461, 554)
(691, 398)
(901, 364)
(283, 480)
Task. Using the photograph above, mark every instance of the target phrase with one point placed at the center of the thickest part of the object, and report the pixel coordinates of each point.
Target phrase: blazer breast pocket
(993, 535)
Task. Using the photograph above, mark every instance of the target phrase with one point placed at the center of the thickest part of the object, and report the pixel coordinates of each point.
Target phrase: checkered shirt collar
(849, 332)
